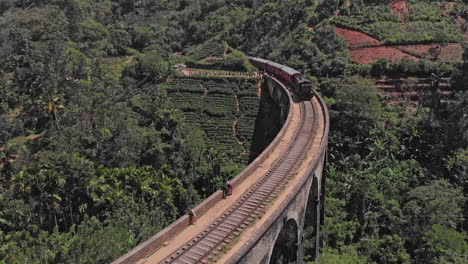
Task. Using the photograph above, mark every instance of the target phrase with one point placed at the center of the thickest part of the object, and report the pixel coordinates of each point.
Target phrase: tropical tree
(438, 203)
(445, 245)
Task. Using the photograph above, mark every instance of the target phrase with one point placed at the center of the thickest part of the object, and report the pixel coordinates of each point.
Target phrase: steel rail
(209, 242)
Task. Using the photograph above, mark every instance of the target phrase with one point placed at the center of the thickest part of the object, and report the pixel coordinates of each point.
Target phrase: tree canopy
(96, 155)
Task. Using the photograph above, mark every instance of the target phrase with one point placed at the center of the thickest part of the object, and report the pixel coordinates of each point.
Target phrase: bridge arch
(312, 219)
(286, 244)
(282, 227)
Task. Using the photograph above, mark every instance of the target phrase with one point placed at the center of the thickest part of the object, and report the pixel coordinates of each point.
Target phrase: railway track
(207, 245)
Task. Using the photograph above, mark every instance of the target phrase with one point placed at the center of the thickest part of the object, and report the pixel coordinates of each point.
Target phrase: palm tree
(214, 160)
(435, 93)
(52, 106)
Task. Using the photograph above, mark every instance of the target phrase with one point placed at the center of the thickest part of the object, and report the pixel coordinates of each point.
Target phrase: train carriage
(300, 85)
(289, 74)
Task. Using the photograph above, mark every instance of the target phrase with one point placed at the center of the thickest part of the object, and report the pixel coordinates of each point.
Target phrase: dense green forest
(94, 157)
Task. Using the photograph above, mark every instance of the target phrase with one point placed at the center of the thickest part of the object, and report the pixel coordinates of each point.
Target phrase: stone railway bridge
(275, 199)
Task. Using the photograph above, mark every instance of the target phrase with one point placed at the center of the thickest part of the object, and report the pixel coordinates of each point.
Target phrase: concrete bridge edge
(259, 248)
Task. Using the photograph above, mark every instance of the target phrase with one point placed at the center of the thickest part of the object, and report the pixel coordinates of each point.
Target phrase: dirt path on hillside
(202, 72)
(235, 125)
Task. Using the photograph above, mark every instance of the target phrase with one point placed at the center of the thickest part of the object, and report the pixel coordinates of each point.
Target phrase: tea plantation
(225, 109)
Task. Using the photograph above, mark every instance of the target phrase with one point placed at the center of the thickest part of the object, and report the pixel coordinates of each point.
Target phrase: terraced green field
(217, 55)
(225, 109)
(211, 48)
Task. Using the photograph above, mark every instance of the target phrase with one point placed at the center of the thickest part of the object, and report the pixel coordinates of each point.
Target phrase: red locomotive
(300, 85)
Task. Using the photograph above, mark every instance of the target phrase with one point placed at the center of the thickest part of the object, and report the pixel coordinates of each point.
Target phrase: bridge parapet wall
(284, 101)
(259, 248)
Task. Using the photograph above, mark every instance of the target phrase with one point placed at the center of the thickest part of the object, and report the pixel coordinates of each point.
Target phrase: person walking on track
(229, 187)
(192, 217)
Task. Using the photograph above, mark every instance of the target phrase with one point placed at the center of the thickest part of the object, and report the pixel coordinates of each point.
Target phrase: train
(300, 85)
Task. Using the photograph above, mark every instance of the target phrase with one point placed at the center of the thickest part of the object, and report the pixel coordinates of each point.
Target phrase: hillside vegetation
(411, 23)
(225, 110)
(98, 149)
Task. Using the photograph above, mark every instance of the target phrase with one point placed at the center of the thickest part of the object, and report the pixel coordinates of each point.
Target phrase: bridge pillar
(322, 204)
(281, 243)
(284, 106)
(300, 251)
(305, 211)
(279, 97)
(286, 245)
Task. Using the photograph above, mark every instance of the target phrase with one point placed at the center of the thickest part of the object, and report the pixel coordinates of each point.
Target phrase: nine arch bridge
(277, 197)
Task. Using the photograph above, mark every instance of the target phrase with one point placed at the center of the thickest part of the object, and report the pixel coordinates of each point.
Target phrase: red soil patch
(363, 47)
(419, 50)
(413, 95)
(462, 27)
(441, 52)
(451, 52)
(400, 9)
(366, 49)
(373, 54)
(447, 7)
(15, 113)
(356, 39)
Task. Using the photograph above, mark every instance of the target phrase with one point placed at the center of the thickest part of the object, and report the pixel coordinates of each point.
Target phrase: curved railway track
(208, 244)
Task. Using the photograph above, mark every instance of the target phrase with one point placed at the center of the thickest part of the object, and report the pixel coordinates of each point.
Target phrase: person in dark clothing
(225, 191)
(192, 217)
(229, 187)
